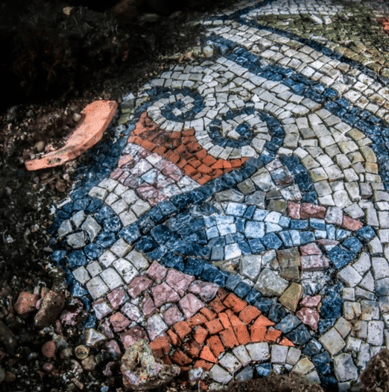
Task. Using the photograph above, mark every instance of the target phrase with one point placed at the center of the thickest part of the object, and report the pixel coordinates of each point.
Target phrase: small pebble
(81, 352)
(40, 146)
(76, 117)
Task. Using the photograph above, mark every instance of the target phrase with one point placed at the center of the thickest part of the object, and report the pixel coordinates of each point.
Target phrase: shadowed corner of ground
(53, 47)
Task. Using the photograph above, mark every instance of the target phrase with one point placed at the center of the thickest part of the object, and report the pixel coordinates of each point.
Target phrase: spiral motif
(256, 174)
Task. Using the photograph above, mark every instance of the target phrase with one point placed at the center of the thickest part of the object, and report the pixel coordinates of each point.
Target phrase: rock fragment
(142, 372)
(51, 306)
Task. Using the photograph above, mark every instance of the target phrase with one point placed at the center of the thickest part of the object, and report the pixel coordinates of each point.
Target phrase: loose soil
(276, 383)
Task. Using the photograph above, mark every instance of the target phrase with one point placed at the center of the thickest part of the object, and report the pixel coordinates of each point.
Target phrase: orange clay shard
(90, 130)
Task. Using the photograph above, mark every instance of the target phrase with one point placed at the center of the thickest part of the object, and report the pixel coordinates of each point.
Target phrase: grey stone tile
(345, 368)
(332, 341)
(96, 287)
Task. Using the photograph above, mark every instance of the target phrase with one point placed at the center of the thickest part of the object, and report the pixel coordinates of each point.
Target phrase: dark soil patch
(375, 378)
(63, 62)
(276, 383)
(66, 49)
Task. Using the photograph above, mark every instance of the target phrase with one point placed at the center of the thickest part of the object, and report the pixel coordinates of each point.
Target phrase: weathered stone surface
(119, 322)
(89, 363)
(367, 282)
(278, 353)
(138, 285)
(51, 306)
(309, 317)
(303, 366)
(74, 314)
(157, 272)
(65, 229)
(25, 303)
(101, 308)
(345, 368)
(49, 349)
(310, 249)
(289, 258)
(364, 355)
(310, 302)
(220, 375)
(229, 362)
(126, 270)
(258, 351)
(300, 219)
(245, 374)
(350, 276)
(241, 353)
(229, 195)
(133, 335)
(250, 266)
(309, 210)
(334, 215)
(190, 305)
(332, 341)
(156, 326)
(97, 288)
(93, 338)
(269, 283)
(141, 371)
(178, 281)
(117, 297)
(172, 315)
(291, 296)
(293, 355)
(380, 267)
(314, 263)
(132, 312)
(137, 260)
(352, 224)
(113, 348)
(76, 240)
(91, 227)
(375, 333)
(362, 264)
(205, 290)
(294, 210)
(343, 327)
(163, 293)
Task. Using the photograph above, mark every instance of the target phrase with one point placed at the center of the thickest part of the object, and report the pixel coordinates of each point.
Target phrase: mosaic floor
(238, 218)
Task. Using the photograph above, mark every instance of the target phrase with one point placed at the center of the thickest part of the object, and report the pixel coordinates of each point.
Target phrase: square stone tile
(107, 258)
(120, 248)
(96, 287)
(111, 278)
(126, 270)
(258, 351)
(101, 308)
(94, 268)
(332, 341)
(81, 274)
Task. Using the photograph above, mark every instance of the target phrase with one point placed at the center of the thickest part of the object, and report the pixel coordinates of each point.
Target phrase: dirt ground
(275, 383)
(59, 64)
